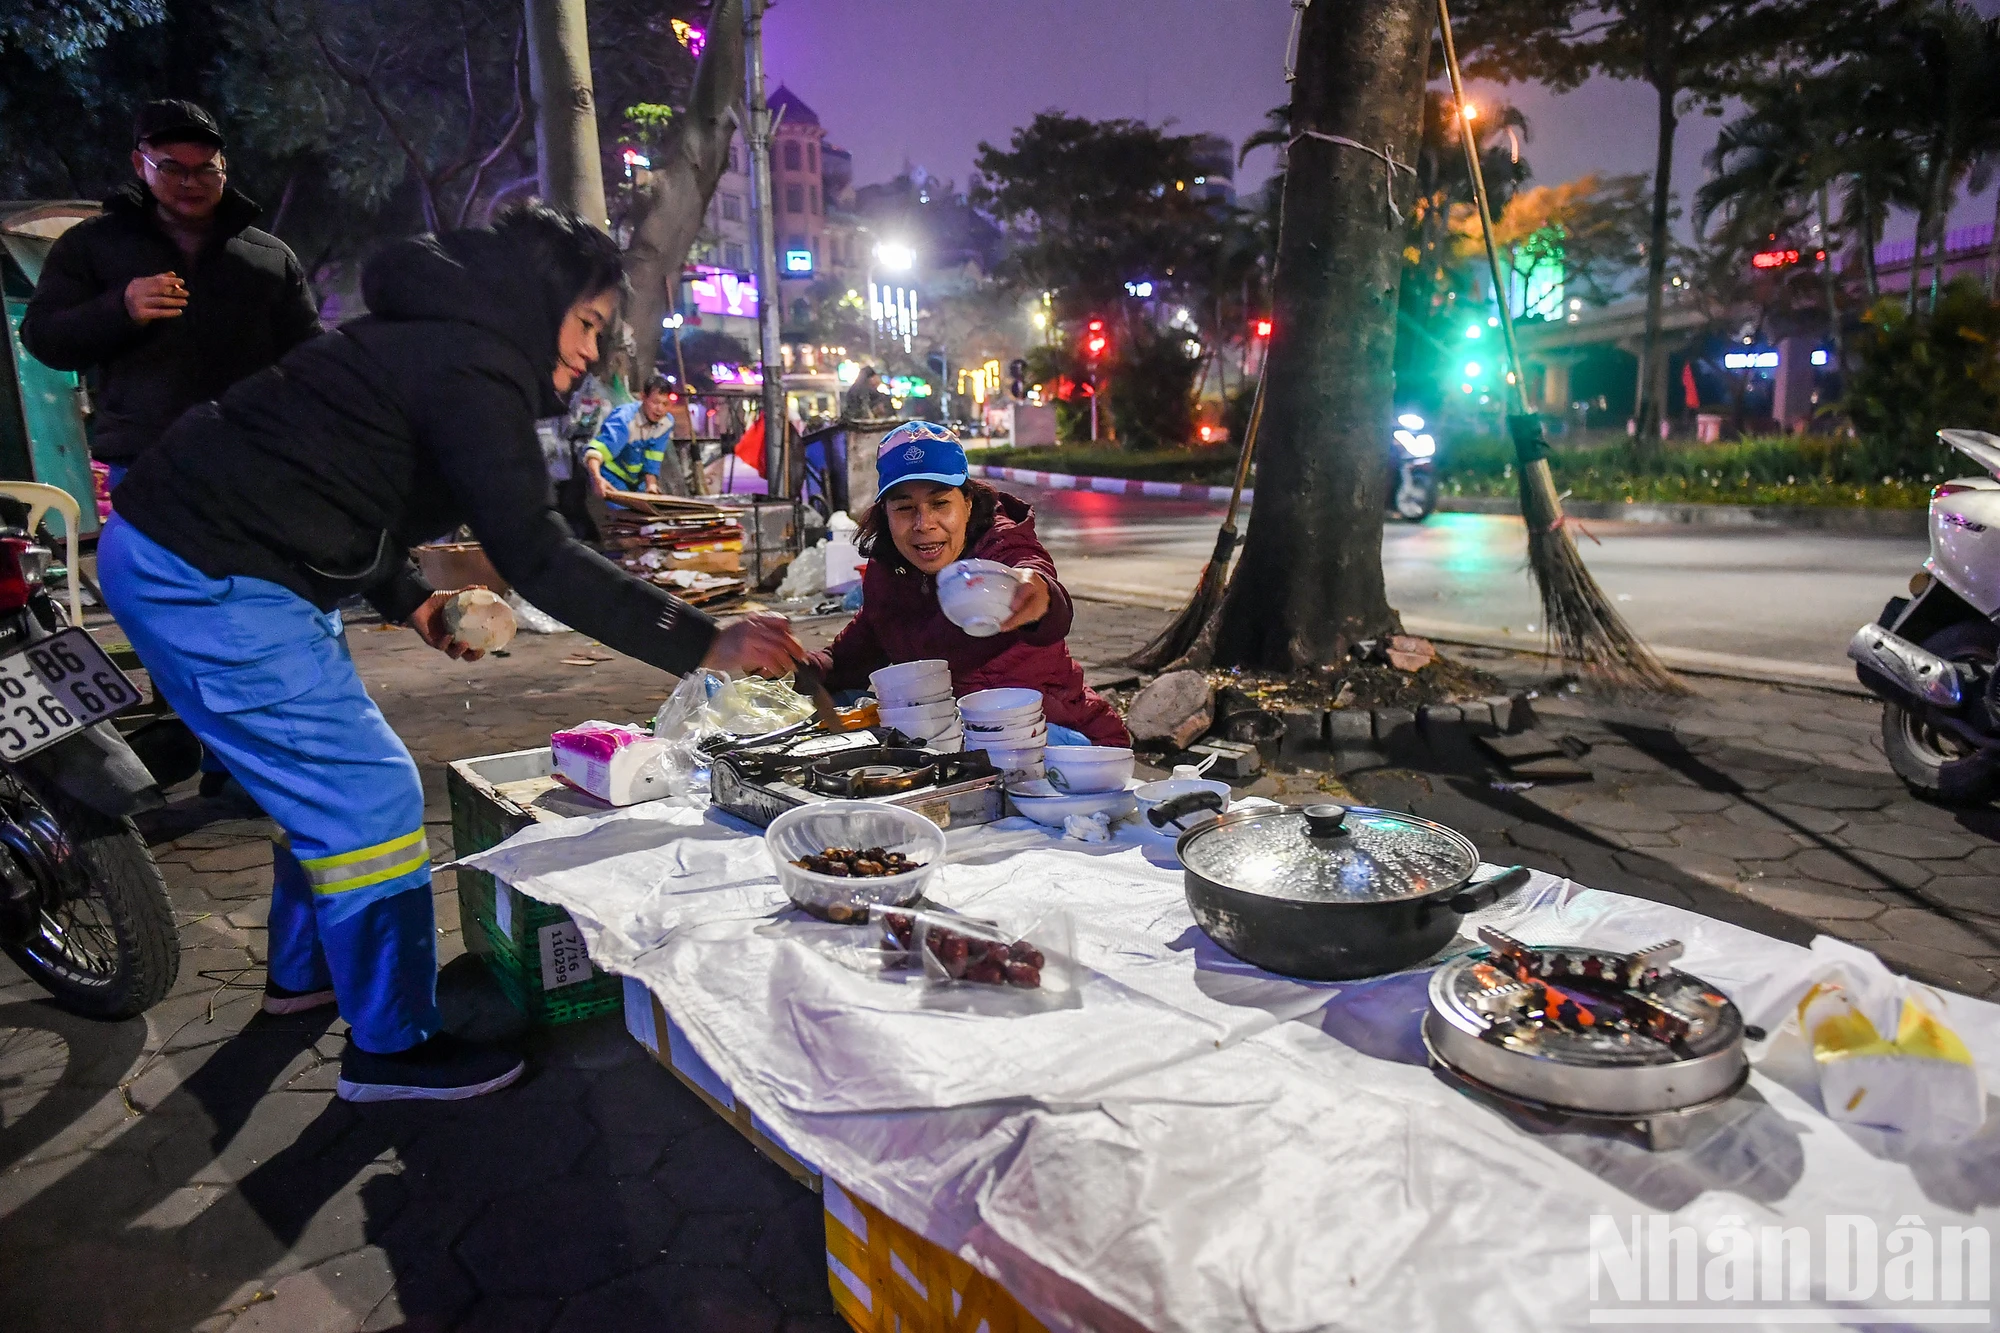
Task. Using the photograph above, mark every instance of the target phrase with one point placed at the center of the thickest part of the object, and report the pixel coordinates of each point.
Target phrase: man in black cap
(170, 294)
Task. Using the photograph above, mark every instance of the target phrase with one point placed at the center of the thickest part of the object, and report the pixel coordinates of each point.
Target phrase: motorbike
(1413, 491)
(83, 907)
(1930, 657)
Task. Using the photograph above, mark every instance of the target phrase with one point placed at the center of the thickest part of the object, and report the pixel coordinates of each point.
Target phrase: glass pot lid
(1330, 853)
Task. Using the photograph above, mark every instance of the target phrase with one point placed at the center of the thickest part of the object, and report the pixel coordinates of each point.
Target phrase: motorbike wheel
(110, 950)
(1414, 501)
(1932, 762)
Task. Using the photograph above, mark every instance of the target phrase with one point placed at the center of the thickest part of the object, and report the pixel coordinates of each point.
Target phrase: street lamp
(895, 257)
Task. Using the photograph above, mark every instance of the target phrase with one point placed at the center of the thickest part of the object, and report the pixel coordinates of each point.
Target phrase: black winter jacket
(321, 472)
(248, 305)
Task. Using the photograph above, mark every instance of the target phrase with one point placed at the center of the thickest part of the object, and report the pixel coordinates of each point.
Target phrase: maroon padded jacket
(901, 621)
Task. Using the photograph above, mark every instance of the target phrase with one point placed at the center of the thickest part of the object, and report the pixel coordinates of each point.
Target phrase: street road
(1789, 596)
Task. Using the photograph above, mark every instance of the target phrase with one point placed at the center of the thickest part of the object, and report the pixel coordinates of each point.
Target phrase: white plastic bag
(1886, 1053)
(805, 576)
(532, 618)
(709, 703)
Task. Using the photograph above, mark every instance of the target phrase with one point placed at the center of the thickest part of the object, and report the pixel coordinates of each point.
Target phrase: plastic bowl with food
(911, 682)
(866, 826)
(998, 708)
(1081, 769)
(977, 595)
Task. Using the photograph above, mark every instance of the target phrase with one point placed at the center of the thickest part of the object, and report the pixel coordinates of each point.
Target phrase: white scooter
(1931, 657)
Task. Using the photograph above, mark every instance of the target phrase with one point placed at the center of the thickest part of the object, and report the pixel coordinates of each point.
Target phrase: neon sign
(721, 291)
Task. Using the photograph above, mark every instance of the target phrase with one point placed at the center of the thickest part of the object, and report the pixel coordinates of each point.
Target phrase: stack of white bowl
(915, 699)
(1009, 726)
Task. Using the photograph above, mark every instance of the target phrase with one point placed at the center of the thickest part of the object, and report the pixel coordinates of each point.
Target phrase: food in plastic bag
(952, 949)
(478, 619)
(618, 765)
(1886, 1054)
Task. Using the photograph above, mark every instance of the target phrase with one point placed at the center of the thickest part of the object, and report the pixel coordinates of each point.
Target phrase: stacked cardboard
(689, 547)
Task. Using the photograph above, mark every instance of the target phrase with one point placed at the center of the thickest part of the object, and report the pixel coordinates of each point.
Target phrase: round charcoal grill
(1584, 1032)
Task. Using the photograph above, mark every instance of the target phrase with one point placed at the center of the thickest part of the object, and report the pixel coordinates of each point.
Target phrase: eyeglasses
(206, 174)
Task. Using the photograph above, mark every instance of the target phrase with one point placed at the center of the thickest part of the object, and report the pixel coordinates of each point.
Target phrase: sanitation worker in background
(239, 532)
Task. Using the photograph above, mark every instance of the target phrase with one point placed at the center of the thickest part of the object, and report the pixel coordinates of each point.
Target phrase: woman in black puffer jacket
(238, 534)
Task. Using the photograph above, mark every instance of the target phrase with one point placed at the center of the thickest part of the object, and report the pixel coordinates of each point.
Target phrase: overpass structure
(1551, 351)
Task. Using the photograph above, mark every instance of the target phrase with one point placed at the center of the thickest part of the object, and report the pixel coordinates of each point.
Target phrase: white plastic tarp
(1201, 1146)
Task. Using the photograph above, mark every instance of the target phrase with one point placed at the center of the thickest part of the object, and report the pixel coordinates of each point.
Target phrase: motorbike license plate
(55, 688)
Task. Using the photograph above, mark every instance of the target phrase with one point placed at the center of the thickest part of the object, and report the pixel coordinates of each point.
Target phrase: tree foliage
(1922, 372)
(50, 32)
(1687, 51)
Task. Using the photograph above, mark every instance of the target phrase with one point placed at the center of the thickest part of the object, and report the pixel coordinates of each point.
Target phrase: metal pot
(1329, 893)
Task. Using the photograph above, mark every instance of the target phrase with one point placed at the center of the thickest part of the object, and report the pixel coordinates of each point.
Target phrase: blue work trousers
(264, 679)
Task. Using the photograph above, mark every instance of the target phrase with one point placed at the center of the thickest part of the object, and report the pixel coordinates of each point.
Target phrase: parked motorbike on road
(1413, 493)
(83, 908)
(1931, 656)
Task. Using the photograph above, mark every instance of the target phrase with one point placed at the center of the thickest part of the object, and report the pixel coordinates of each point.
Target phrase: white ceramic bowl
(997, 708)
(1043, 804)
(810, 829)
(930, 700)
(1156, 793)
(1084, 769)
(923, 720)
(1012, 738)
(1019, 764)
(977, 595)
(908, 682)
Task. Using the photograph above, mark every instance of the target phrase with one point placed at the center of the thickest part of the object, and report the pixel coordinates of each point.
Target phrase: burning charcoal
(1023, 975)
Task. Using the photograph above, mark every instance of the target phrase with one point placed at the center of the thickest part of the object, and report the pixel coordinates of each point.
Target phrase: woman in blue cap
(928, 513)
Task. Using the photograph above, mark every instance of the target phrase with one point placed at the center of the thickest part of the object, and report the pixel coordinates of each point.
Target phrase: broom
(1179, 635)
(1586, 629)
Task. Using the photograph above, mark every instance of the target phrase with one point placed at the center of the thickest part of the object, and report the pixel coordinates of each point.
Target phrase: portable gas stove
(1565, 1034)
(760, 782)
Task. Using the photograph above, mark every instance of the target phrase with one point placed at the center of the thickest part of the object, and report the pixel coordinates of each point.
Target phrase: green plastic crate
(532, 948)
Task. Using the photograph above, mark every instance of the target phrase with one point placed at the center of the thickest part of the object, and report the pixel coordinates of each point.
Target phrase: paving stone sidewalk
(192, 1170)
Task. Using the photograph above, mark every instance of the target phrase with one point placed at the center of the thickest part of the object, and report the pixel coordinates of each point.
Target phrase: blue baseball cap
(919, 451)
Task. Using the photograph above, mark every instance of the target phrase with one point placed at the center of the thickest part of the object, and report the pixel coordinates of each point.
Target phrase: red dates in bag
(960, 951)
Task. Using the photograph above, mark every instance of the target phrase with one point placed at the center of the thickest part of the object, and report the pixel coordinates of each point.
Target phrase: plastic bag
(532, 618)
(1886, 1053)
(1030, 961)
(710, 703)
(805, 576)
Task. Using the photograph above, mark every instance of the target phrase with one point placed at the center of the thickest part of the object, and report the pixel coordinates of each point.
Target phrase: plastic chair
(40, 499)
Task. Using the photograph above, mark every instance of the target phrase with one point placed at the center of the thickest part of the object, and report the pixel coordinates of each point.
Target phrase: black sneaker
(442, 1069)
(278, 1000)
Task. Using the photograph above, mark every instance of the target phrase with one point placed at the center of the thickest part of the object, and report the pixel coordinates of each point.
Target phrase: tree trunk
(1651, 411)
(1830, 281)
(1924, 212)
(1993, 256)
(1309, 585)
(565, 108)
(668, 212)
(1871, 280)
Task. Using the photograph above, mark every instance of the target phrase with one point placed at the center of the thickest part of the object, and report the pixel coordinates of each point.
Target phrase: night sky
(924, 81)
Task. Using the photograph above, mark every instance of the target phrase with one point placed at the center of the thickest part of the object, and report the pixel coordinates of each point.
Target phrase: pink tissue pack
(618, 765)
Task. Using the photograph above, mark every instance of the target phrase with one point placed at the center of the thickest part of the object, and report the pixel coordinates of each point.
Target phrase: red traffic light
(1774, 259)
(1094, 339)
(1260, 328)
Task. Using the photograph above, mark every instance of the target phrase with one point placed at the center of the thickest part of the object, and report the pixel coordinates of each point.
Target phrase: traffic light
(1017, 380)
(1260, 328)
(1095, 340)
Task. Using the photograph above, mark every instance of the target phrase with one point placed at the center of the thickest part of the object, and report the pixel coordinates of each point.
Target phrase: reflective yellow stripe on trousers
(370, 865)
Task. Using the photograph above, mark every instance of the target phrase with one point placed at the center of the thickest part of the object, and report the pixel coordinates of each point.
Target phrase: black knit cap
(172, 120)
